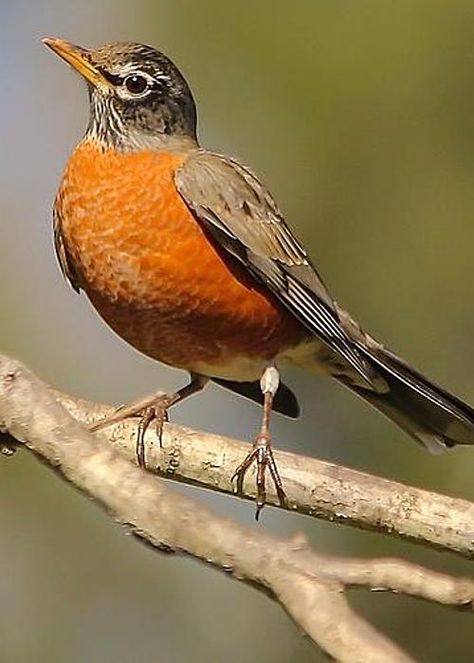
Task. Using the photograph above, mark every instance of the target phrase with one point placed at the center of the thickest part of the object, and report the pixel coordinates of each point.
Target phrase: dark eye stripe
(118, 81)
(112, 78)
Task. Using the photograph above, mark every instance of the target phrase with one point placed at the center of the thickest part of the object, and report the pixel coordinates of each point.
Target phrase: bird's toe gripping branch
(151, 409)
(261, 453)
(155, 409)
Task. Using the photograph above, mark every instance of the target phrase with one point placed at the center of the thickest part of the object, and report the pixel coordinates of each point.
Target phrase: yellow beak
(78, 58)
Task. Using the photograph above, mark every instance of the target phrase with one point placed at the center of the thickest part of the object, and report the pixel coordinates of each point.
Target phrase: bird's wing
(64, 260)
(242, 217)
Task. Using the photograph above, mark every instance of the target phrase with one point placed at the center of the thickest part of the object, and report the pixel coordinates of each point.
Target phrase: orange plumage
(151, 271)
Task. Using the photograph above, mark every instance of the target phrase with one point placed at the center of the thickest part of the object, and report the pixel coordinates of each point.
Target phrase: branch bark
(314, 487)
(309, 586)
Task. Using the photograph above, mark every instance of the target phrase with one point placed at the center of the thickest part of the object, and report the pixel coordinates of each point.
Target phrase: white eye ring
(136, 85)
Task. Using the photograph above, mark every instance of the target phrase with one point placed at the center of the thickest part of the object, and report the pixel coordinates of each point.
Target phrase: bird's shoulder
(230, 200)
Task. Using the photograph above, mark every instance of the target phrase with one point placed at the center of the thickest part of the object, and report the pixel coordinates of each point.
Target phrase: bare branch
(309, 586)
(314, 487)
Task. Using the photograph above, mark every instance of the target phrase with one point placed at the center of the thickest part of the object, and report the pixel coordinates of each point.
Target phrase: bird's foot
(262, 455)
(148, 409)
(157, 412)
(134, 409)
(151, 408)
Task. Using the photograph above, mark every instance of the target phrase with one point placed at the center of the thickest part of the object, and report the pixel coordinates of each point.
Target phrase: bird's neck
(108, 128)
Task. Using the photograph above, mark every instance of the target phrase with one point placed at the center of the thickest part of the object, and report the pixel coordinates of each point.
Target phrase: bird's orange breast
(151, 271)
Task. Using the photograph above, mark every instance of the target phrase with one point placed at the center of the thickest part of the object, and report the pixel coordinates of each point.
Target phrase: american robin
(186, 256)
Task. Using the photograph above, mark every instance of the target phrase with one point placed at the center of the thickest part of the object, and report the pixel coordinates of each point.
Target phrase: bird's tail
(427, 412)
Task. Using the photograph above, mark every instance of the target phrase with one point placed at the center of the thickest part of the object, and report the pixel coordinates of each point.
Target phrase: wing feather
(229, 201)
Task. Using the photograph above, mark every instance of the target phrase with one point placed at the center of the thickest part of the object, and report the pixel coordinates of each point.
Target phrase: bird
(185, 254)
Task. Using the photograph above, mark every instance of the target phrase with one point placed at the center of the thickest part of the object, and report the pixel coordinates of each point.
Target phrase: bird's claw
(262, 455)
(157, 412)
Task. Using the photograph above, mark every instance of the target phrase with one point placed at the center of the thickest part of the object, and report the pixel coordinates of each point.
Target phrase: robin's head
(137, 95)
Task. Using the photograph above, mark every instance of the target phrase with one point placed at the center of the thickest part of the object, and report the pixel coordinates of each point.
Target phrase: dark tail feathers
(424, 410)
(284, 402)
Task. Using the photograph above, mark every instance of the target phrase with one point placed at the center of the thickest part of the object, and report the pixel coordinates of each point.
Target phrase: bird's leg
(151, 408)
(261, 452)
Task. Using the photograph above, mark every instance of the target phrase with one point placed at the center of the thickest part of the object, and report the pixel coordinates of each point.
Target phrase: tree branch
(314, 487)
(309, 586)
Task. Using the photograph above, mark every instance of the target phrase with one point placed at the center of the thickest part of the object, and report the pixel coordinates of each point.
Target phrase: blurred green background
(359, 116)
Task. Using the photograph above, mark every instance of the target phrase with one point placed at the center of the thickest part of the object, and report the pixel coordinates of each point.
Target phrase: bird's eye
(136, 84)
